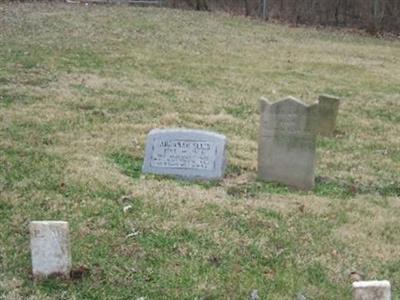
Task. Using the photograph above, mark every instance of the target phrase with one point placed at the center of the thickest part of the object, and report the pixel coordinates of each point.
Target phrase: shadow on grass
(205, 184)
(231, 171)
(324, 186)
(252, 189)
(132, 167)
(340, 189)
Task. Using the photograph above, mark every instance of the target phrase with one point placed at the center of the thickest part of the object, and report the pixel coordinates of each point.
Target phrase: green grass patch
(241, 110)
(27, 169)
(7, 99)
(84, 59)
(79, 81)
(391, 189)
(316, 275)
(328, 143)
(391, 116)
(128, 164)
(326, 187)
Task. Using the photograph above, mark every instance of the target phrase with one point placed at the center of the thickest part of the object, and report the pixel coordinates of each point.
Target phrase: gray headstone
(185, 153)
(50, 249)
(371, 290)
(328, 111)
(286, 149)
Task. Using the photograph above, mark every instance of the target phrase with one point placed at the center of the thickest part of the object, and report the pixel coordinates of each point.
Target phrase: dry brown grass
(80, 86)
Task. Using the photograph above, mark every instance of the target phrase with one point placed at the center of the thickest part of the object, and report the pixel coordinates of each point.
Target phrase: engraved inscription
(290, 122)
(183, 154)
(286, 151)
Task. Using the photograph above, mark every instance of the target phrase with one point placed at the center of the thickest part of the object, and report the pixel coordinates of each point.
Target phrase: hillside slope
(80, 87)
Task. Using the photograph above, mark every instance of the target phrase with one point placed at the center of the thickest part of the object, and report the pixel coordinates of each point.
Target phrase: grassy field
(80, 88)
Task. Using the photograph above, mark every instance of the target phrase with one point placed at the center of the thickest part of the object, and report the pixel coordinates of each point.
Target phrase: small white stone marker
(186, 153)
(371, 290)
(50, 249)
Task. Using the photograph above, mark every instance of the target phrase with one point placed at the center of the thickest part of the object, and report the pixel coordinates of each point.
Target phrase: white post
(371, 290)
(264, 13)
(50, 249)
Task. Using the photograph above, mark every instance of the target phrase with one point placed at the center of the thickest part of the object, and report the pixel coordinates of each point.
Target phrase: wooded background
(372, 15)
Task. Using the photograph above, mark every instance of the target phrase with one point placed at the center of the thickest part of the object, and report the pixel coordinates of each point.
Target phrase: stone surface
(186, 153)
(254, 295)
(328, 111)
(287, 136)
(50, 249)
(371, 290)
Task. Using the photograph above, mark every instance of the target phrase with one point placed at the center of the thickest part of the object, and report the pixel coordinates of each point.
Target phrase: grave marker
(328, 111)
(185, 153)
(286, 149)
(50, 249)
(371, 290)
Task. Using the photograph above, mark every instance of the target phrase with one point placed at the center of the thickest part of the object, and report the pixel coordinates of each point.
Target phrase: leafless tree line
(372, 15)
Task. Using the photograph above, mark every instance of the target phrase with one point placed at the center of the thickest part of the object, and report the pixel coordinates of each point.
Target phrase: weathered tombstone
(371, 290)
(328, 111)
(50, 249)
(287, 136)
(185, 153)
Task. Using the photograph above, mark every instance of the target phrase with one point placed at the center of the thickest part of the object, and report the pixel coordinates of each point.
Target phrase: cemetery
(154, 153)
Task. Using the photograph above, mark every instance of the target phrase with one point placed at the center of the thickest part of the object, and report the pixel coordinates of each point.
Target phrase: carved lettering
(183, 154)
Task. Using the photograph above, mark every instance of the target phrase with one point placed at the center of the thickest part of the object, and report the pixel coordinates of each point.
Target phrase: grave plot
(185, 153)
